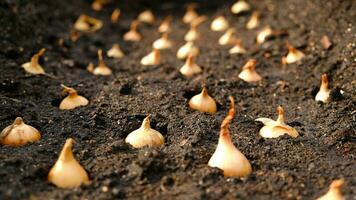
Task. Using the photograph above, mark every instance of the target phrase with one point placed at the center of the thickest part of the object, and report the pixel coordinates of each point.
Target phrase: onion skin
(33, 67)
(324, 93)
(19, 134)
(226, 157)
(145, 136)
(73, 100)
(219, 24)
(334, 192)
(203, 102)
(249, 73)
(67, 172)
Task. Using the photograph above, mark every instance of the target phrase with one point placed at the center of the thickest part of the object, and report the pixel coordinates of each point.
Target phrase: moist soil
(283, 168)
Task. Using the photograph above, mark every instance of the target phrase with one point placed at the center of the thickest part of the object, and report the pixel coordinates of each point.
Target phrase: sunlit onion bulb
(238, 48)
(115, 52)
(249, 73)
(190, 14)
(165, 25)
(254, 20)
(187, 49)
(192, 35)
(203, 102)
(33, 67)
(240, 6)
(73, 100)
(152, 58)
(115, 15)
(324, 92)
(87, 24)
(132, 35)
(219, 24)
(102, 69)
(228, 37)
(19, 134)
(146, 17)
(274, 129)
(163, 43)
(145, 136)
(293, 55)
(67, 172)
(190, 67)
(334, 192)
(226, 157)
(263, 35)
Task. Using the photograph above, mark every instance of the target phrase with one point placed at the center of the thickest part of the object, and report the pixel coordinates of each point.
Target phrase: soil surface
(283, 168)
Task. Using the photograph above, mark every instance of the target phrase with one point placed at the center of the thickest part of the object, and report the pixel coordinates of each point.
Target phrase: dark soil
(283, 168)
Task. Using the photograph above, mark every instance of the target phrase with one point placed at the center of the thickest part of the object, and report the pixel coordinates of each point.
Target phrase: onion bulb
(219, 24)
(254, 20)
(240, 6)
(152, 58)
(73, 100)
(203, 102)
(165, 25)
(249, 73)
(263, 35)
(19, 134)
(87, 24)
(102, 69)
(190, 14)
(187, 49)
(146, 17)
(324, 93)
(132, 35)
(192, 35)
(145, 136)
(228, 37)
(163, 43)
(33, 67)
(115, 52)
(334, 192)
(226, 157)
(238, 48)
(67, 172)
(190, 67)
(293, 55)
(115, 15)
(274, 129)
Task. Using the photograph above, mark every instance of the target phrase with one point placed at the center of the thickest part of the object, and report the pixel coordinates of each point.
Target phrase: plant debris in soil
(283, 168)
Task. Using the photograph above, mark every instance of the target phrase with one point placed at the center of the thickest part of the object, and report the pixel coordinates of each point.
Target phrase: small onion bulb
(73, 100)
(33, 67)
(324, 93)
(203, 102)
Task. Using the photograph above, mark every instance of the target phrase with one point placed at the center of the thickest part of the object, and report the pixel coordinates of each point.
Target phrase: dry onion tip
(228, 37)
(187, 49)
(274, 129)
(249, 73)
(33, 67)
(238, 48)
(87, 24)
(99, 4)
(293, 55)
(240, 6)
(115, 52)
(324, 92)
(115, 15)
(190, 67)
(102, 69)
(165, 25)
(226, 157)
(73, 100)
(19, 134)
(220, 23)
(67, 172)
(133, 35)
(163, 43)
(145, 136)
(254, 20)
(146, 17)
(152, 58)
(264, 34)
(203, 102)
(334, 192)
(190, 14)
